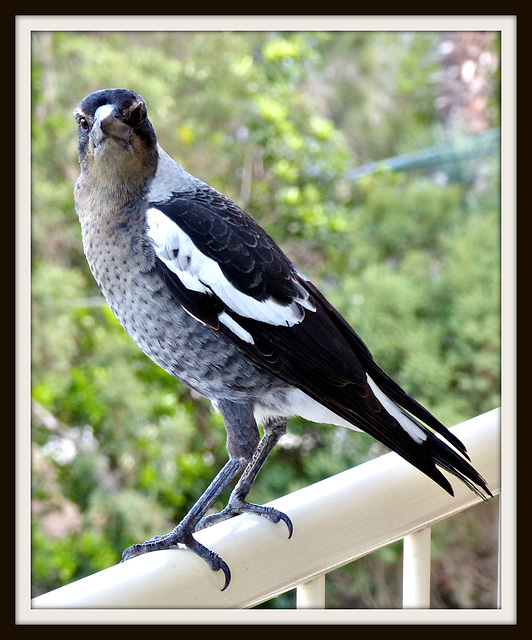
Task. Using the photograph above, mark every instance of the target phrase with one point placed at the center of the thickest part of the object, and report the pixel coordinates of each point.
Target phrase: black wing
(229, 274)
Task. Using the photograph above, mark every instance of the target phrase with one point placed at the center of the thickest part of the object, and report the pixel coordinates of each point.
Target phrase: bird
(210, 297)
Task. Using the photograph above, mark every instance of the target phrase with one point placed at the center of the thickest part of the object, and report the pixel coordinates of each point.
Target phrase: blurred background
(373, 159)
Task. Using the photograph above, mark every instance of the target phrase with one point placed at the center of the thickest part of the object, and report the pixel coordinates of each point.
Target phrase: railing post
(311, 594)
(416, 570)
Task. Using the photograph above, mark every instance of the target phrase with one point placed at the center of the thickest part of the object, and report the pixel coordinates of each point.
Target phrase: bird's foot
(236, 506)
(180, 536)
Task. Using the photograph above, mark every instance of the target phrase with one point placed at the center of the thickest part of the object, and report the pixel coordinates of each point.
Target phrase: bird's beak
(109, 123)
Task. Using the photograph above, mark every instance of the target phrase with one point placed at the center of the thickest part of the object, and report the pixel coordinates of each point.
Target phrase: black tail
(434, 452)
(427, 453)
(452, 462)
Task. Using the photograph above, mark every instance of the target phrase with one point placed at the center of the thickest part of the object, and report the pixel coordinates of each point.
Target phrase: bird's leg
(237, 503)
(182, 534)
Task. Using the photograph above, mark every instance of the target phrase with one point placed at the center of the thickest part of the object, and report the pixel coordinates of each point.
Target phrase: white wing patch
(233, 325)
(409, 426)
(200, 273)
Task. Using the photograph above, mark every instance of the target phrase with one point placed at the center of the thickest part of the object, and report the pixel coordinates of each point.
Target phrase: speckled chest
(122, 262)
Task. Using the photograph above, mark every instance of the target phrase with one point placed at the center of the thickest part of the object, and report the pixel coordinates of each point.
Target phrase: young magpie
(210, 297)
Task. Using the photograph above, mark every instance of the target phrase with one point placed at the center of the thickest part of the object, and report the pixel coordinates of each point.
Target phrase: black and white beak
(108, 122)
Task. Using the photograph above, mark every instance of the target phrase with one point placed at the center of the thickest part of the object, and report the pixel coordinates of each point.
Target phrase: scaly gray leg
(246, 452)
(182, 534)
(237, 503)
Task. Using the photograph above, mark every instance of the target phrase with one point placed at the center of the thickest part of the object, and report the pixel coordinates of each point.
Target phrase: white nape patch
(170, 173)
(410, 427)
(104, 111)
(200, 273)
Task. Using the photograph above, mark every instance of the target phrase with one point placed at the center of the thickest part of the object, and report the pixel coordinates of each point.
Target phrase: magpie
(207, 294)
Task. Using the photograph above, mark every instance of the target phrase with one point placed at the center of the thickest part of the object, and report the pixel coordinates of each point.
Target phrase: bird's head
(116, 140)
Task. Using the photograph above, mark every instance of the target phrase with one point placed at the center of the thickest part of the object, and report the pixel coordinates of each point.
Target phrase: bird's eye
(137, 114)
(84, 123)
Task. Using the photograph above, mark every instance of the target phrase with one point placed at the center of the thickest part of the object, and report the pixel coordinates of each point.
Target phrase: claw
(217, 564)
(287, 522)
(214, 561)
(240, 506)
(155, 544)
(227, 573)
(272, 514)
(173, 539)
(132, 552)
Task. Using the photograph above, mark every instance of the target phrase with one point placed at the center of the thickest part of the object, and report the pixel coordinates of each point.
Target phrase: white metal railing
(335, 522)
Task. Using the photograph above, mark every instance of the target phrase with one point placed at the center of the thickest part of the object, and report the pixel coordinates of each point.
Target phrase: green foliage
(274, 120)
